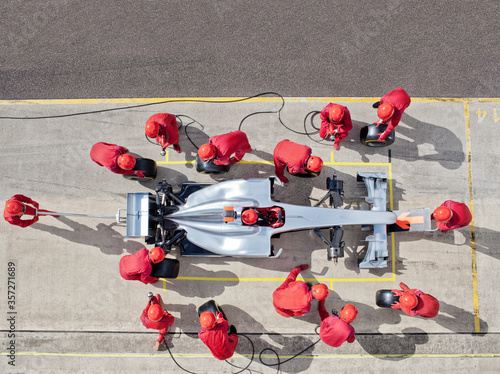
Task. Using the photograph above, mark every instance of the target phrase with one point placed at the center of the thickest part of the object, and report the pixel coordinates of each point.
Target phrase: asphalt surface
(64, 49)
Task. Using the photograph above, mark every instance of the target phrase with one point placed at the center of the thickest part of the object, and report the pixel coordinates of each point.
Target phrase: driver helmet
(156, 254)
(249, 217)
(126, 162)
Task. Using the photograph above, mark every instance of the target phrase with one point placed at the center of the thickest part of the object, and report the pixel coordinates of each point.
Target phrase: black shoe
(232, 330)
(376, 105)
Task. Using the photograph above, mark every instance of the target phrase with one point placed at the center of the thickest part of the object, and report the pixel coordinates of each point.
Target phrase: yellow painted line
(223, 100)
(236, 279)
(193, 355)
(472, 230)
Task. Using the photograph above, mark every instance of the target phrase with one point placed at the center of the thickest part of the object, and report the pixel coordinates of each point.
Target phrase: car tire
(370, 133)
(168, 268)
(385, 298)
(209, 167)
(148, 166)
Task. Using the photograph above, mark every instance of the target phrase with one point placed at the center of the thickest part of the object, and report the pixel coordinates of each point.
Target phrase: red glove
(404, 286)
(232, 161)
(284, 179)
(303, 267)
(396, 305)
(140, 174)
(397, 292)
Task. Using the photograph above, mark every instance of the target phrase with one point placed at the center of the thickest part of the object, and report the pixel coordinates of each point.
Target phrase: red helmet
(336, 113)
(126, 162)
(443, 214)
(152, 129)
(249, 217)
(314, 164)
(15, 208)
(156, 254)
(319, 291)
(385, 111)
(408, 300)
(207, 152)
(207, 320)
(348, 313)
(155, 312)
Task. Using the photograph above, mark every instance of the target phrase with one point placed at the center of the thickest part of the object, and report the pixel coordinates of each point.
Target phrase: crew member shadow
(486, 240)
(104, 237)
(386, 345)
(447, 149)
(190, 287)
(458, 320)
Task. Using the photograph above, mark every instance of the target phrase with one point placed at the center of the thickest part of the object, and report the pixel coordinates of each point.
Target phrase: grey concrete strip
(66, 269)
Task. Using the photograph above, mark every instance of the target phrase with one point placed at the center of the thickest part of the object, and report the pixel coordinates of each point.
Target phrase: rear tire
(146, 165)
(209, 167)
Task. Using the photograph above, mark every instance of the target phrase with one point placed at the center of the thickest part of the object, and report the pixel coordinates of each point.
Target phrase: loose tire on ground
(370, 133)
(385, 298)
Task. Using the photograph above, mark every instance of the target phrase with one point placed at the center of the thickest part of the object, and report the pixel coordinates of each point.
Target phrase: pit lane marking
(194, 355)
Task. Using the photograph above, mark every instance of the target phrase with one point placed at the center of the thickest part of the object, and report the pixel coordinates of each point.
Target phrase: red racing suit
(400, 100)
(427, 307)
(333, 330)
(105, 154)
(30, 211)
(217, 339)
(328, 128)
(234, 142)
(137, 267)
(293, 155)
(461, 216)
(169, 134)
(293, 298)
(163, 324)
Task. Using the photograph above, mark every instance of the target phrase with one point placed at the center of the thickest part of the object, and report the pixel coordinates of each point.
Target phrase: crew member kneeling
(390, 109)
(297, 157)
(220, 148)
(138, 266)
(415, 303)
(214, 333)
(114, 158)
